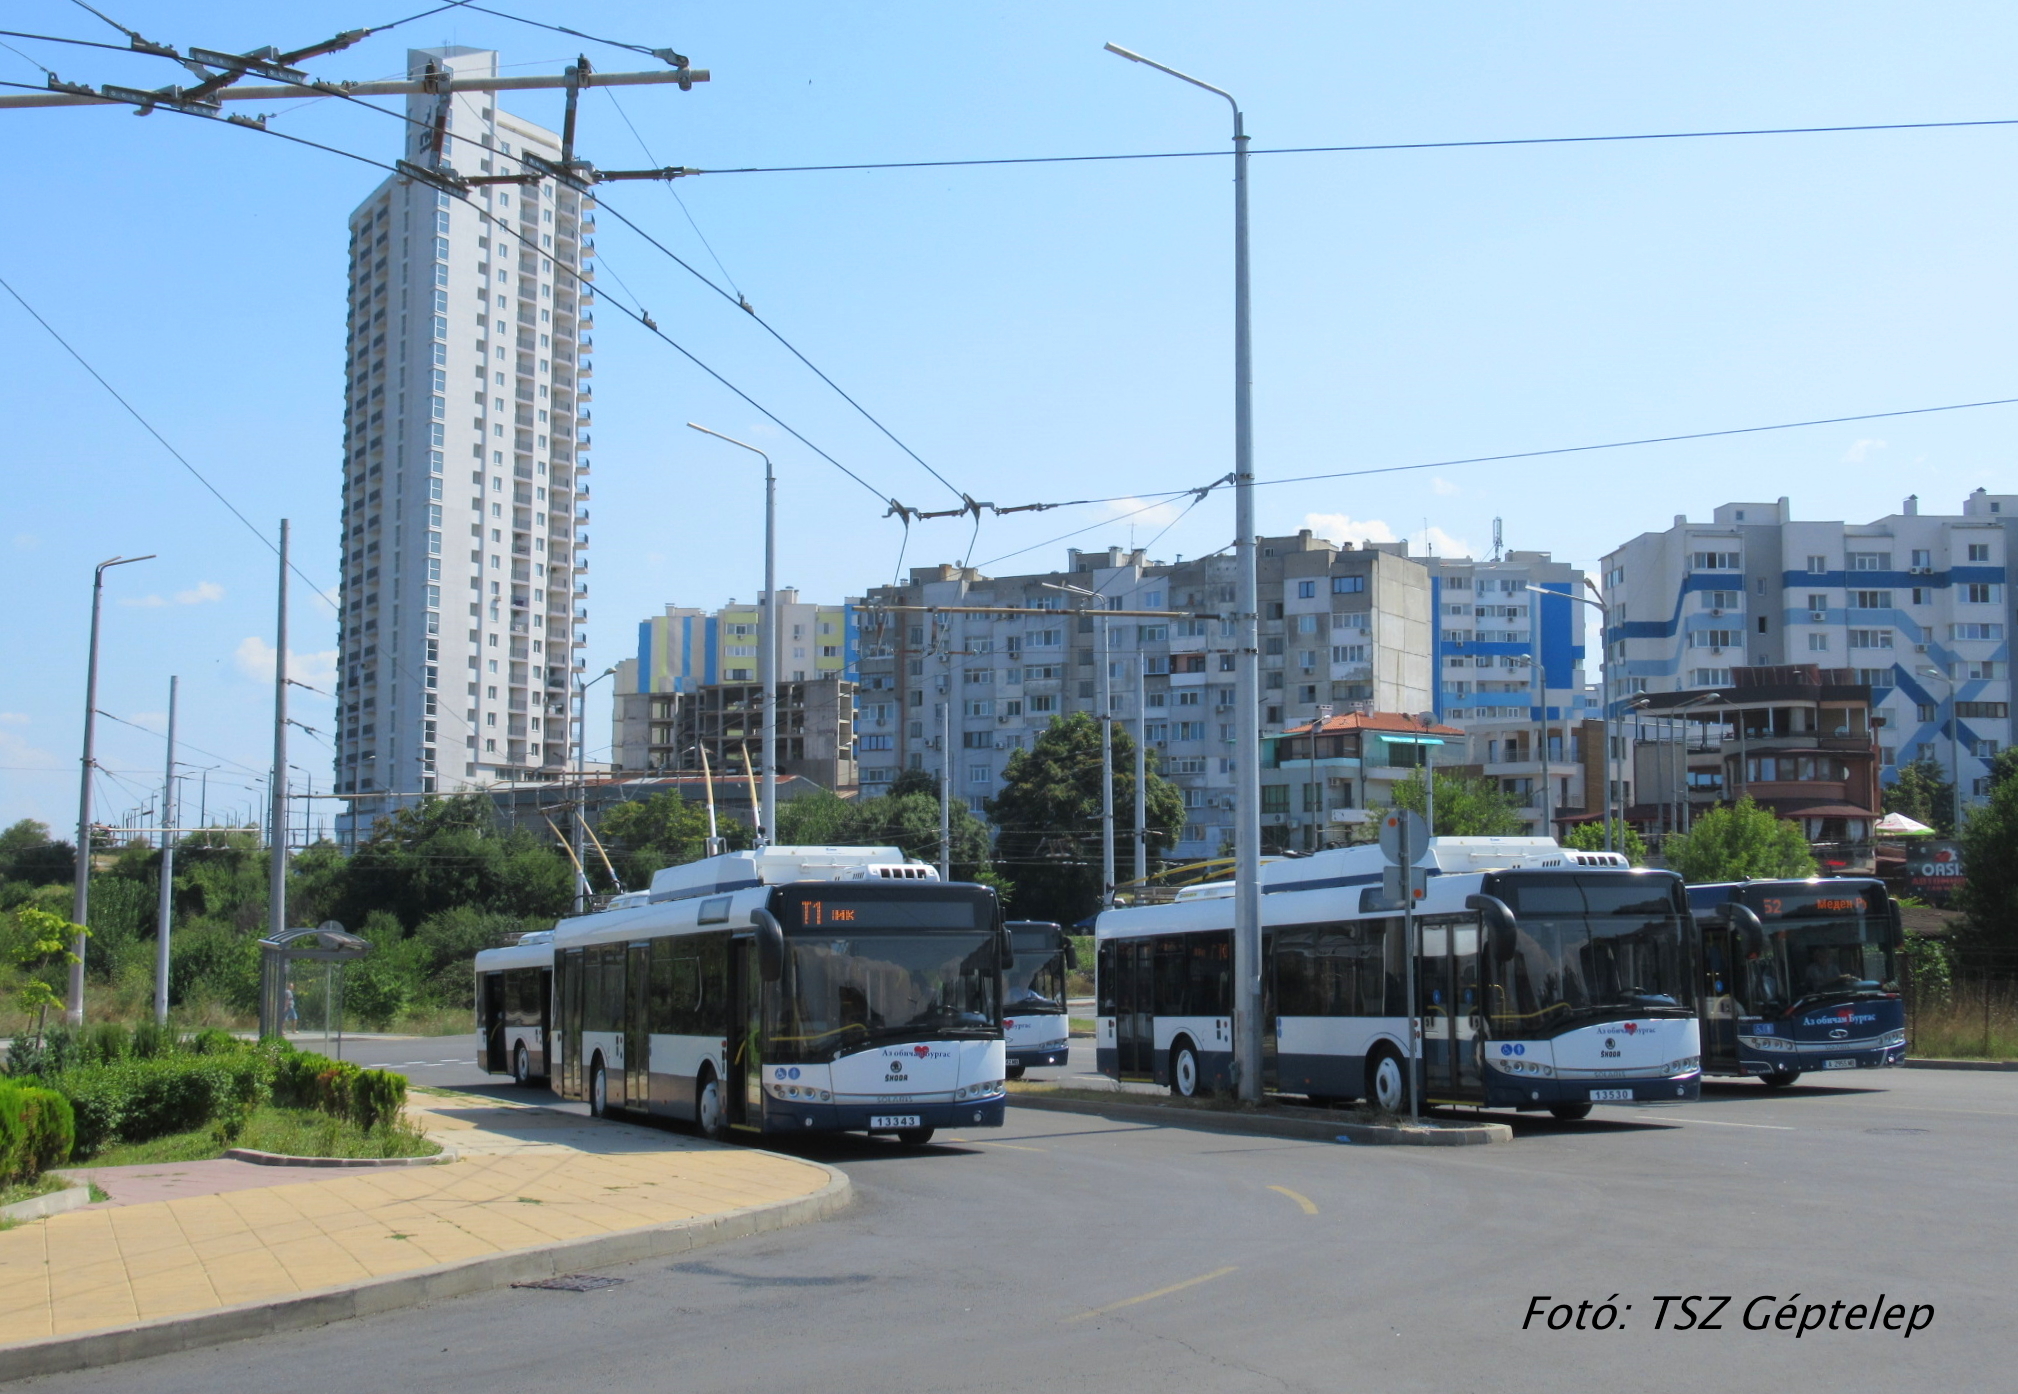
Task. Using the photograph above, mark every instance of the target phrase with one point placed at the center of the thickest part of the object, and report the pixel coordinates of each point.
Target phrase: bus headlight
(1893, 1038)
(1689, 1065)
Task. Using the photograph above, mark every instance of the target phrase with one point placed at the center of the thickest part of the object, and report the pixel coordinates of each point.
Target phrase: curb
(1275, 1125)
(73, 1197)
(88, 1350)
(281, 1159)
(1927, 1063)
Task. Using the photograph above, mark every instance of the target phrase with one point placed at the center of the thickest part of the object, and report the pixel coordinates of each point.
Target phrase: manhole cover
(574, 1282)
(1895, 1132)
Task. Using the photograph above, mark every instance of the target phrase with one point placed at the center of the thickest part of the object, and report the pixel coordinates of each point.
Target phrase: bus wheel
(1387, 1082)
(914, 1137)
(709, 1115)
(522, 1068)
(1014, 1071)
(1570, 1113)
(599, 1091)
(1184, 1070)
(1779, 1079)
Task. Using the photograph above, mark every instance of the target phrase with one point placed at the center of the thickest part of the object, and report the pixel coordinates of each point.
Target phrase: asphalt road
(1069, 1253)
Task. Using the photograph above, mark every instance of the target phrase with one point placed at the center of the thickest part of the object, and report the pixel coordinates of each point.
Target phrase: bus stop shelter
(328, 944)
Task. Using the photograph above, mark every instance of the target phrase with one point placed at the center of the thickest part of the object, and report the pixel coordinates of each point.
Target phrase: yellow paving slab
(92, 1269)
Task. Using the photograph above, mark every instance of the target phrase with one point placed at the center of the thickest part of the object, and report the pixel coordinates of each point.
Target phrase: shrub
(135, 1100)
(338, 1088)
(106, 1042)
(37, 1130)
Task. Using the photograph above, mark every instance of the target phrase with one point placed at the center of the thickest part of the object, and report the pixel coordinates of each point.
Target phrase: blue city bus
(1799, 976)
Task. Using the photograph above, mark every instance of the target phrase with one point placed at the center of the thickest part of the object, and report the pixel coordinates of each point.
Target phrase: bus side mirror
(1071, 955)
(1005, 951)
(1751, 930)
(1497, 919)
(770, 945)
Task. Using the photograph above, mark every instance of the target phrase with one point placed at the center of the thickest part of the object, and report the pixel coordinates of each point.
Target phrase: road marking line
(1151, 1296)
(977, 1142)
(1309, 1206)
(1720, 1123)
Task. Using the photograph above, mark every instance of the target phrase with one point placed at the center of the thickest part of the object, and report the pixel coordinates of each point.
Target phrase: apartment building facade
(1917, 606)
(1510, 675)
(1340, 627)
(464, 573)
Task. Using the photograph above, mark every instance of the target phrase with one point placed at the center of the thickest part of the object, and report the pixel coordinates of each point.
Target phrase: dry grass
(1978, 1021)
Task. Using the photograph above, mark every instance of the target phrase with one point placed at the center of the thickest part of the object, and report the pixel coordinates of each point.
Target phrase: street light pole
(165, 908)
(767, 645)
(1954, 746)
(1141, 770)
(582, 784)
(1105, 698)
(1247, 652)
(1612, 837)
(80, 902)
(276, 857)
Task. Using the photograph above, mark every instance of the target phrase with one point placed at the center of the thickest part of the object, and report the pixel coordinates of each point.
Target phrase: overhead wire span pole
(80, 902)
(767, 643)
(1247, 650)
(1141, 769)
(276, 862)
(165, 908)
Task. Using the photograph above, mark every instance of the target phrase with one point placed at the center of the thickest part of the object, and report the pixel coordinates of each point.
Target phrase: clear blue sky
(1040, 332)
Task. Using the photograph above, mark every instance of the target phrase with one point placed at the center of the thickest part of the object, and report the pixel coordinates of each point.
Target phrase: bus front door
(1135, 1009)
(743, 1086)
(494, 1022)
(1719, 1011)
(637, 1029)
(1451, 1009)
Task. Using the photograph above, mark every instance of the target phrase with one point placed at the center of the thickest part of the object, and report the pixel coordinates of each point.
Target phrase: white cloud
(1340, 527)
(1860, 451)
(1151, 515)
(14, 718)
(255, 660)
(1444, 487)
(202, 593)
(26, 542)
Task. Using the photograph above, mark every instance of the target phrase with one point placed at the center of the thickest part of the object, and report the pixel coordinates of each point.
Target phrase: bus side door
(572, 970)
(743, 1084)
(494, 1022)
(637, 1029)
(1721, 988)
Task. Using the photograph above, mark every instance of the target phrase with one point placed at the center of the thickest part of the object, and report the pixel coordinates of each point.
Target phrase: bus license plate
(894, 1120)
(1611, 1096)
(1839, 1064)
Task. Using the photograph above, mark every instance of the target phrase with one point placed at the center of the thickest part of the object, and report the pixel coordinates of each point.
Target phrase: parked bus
(1545, 979)
(789, 989)
(1035, 1029)
(514, 997)
(1799, 976)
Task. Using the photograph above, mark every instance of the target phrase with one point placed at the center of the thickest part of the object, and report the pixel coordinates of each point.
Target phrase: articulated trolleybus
(1035, 1030)
(788, 989)
(1544, 979)
(1799, 975)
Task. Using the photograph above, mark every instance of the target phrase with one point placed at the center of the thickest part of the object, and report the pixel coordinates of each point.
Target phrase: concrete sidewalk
(534, 1192)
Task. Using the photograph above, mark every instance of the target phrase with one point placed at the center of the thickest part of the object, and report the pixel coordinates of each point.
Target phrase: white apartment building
(464, 586)
(1916, 605)
(1510, 675)
(1341, 628)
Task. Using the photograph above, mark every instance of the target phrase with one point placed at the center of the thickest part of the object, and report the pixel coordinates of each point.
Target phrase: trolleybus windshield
(1591, 949)
(1822, 942)
(859, 972)
(1036, 982)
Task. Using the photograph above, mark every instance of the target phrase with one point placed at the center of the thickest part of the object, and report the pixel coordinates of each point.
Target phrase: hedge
(134, 1100)
(37, 1130)
(338, 1087)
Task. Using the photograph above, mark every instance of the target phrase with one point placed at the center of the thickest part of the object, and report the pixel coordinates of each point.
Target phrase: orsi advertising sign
(1936, 867)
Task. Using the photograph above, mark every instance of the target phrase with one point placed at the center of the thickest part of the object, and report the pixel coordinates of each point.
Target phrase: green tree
(36, 941)
(1466, 805)
(915, 782)
(1990, 861)
(1047, 818)
(1590, 837)
(910, 823)
(441, 854)
(1922, 792)
(1737, 842)
(29, 856)
(659, 831)
(816, 818)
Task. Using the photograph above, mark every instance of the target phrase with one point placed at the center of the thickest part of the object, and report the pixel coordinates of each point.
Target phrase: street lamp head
(696, 426)
(1131, 57)
(1076, 590)
(1929, 671)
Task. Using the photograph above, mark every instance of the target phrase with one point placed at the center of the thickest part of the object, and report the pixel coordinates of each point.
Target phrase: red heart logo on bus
(1631, 1027)
(921, 1051)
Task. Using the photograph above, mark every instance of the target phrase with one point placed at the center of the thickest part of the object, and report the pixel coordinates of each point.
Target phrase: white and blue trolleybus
(1035, 1030)
(1543, 979)
(788, 990)
(514, 1002)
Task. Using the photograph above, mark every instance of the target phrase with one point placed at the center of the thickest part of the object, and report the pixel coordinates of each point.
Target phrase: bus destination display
(1784, 905)
(886, 914)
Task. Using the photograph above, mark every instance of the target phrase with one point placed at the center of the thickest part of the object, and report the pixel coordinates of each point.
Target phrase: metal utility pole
(767, 641)
(306, 87)
(1247, 650)
(80, 902)
(276, 874)
(165, 910)
(582, 786)
(1105, 698)
(946, 758)
(1141, 769)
